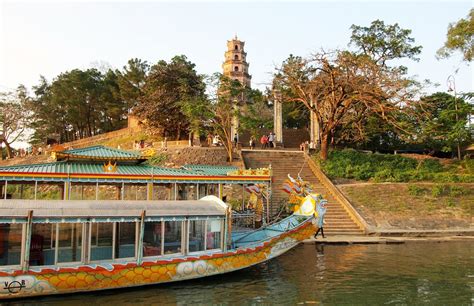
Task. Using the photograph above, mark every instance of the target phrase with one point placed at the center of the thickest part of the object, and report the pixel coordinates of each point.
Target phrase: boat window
(135, 192)
(101, 241)
(186, 192)
(153, 238)
(213, 234)
(197, 231)
(163, 192)
(10, 244)
(208, 189)
(80, 191)
(21, 191)
(109, 192)
(42, 244)
(48, 191)
(172, 243)
(69, 242)
(125, 239)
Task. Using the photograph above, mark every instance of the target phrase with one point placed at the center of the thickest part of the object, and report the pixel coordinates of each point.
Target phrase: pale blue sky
(47, 38)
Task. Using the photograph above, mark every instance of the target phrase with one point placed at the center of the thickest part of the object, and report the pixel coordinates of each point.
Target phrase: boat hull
(93, 277)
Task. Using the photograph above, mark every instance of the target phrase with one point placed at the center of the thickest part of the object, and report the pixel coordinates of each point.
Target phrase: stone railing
(338, 195)
(84, 142)
(171, 144)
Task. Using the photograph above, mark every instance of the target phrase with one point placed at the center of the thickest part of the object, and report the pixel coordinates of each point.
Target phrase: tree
(77, 104)
(132, 80)
(256, 113)
(460, 37)
(168, 86)
(295, 115)
(440, 130)
(340, 86)
(14, 117)
(226, 95)
(384, 42)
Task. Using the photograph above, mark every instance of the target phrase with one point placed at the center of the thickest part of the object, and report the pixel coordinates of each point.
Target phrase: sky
(47, 38)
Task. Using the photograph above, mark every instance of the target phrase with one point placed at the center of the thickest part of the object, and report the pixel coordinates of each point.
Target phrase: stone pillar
(278, 117)
(234, 129)
(314, 129)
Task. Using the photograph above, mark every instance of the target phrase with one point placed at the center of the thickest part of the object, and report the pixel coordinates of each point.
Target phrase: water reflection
(422, 273)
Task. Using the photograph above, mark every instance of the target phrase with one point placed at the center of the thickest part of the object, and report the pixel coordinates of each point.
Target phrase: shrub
(468, 164)
(466, 178)
(445, 177)
(384, 175)
(430, 165)
(456, 191)
(351, 164)
(415, 190)
(439, 190)
(450, 203)
(158, 159)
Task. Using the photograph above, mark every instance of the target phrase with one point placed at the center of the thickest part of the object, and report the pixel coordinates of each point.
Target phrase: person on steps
(321, 210)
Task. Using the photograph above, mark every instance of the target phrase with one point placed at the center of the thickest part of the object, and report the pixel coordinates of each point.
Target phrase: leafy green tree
(132, 80)
(77, 104)
(14, 117)
(168, 86)
(383, 42)
(47, 120)
(226, 95)
(295, 115)
(440, 130)
(460, 37)
(256, 113)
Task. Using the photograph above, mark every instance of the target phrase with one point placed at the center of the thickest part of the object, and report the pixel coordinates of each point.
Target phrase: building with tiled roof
(105, 173)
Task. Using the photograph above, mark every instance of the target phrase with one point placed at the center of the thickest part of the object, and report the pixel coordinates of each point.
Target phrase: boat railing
(256, 237)
(242, 220)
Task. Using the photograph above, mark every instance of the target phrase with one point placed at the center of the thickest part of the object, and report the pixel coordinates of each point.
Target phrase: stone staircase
(338, 220)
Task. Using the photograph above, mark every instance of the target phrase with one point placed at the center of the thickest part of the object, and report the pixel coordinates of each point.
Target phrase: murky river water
(414, 273)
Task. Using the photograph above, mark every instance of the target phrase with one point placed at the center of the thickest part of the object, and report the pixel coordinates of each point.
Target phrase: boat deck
(249, 238)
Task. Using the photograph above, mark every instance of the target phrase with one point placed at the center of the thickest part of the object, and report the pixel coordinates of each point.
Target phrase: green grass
(411, 205)
(351, 164)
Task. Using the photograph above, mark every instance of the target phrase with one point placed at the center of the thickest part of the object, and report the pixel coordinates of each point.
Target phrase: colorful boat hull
(83, 278)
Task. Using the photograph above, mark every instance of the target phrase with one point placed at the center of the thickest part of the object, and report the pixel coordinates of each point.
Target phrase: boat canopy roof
(208, 206)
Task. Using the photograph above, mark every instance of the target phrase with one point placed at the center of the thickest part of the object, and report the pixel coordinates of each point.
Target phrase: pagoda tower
(236, 67)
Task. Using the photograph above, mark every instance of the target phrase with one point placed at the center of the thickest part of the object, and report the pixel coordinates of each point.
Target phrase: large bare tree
(14, 117)
(340, 87)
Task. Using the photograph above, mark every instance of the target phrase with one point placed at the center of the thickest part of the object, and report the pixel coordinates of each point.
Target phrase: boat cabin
(48, 233)
(102, 173)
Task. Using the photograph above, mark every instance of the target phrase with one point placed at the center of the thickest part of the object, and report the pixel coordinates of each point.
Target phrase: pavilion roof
(95, 171)
(210, 170)
(99, 153)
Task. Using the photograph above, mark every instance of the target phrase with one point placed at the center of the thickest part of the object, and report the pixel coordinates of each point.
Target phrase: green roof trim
(100, 152)
(103, 164)
(210, 170)
(65, 167)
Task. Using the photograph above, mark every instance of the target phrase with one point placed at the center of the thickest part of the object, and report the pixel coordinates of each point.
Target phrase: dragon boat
(99, 218)
(95, 245)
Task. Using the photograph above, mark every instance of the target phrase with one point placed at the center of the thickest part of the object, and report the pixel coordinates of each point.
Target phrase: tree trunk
(229, 151)
(324, 146)
(9, 149)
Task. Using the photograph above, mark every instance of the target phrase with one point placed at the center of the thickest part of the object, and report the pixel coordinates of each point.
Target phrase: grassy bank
(414, 205)
(350, 164)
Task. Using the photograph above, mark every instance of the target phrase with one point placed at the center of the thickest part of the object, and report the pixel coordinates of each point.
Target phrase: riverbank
(351, 239)
(399, 208)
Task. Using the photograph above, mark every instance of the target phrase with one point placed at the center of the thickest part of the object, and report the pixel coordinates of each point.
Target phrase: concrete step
(284, 163)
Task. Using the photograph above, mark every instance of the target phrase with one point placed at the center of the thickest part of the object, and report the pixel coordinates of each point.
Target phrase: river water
(412, 273)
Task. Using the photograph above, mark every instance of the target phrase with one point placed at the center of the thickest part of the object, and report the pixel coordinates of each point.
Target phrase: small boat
(69, 246)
